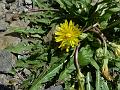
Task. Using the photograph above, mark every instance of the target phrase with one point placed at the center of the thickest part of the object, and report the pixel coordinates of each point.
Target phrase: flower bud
(106, 73)
(117, 50)
(99, 53)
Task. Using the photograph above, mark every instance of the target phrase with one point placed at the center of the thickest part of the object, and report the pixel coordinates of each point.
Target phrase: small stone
(2, 5)
(25, 9)
(28, 2)
(8, 38)
(19, 24)
(10, 1)
(27, 72)
(8, 17)
(7, 6)
(7, 61)
(59, 87)
(3, 26)
(3, 79)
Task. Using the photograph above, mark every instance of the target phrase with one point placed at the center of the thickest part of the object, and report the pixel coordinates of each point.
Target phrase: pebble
(2, 6)
(59, 87)
(3, 26)
(10, 1)
(27, 72)
(7, 6)
(19, 23)
(7, 61)
(8, 17)
(28, 2)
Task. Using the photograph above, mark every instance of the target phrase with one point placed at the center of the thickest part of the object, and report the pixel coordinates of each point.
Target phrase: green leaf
(118, 88)
(117, 64)
(29, 31)
(44, 20)
(97, 80)
(83, 36)
(46, 77)
(26, 63)
(94, 63)
(101, 84)
(104, 19)
(65, 75)
(61, 3)
(115, 9)
(85, 55)
(103, 24)
(88, 80)
(40, 3)
(88, 1)
(20, 48)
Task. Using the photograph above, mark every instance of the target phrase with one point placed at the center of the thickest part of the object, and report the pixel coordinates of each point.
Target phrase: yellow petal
(67, 49)
(58, 39)
(58, 33)
(67, 34)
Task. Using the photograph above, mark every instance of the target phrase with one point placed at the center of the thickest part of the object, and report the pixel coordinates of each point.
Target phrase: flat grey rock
(59, 87)
(7, 60)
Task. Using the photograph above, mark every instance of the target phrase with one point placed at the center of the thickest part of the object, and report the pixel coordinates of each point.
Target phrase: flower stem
(105, 70)
(80, 76)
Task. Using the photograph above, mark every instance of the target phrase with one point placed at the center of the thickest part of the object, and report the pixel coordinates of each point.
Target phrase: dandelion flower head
(67, 34)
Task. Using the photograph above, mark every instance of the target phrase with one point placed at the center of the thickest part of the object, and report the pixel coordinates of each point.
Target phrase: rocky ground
(9, 17)
(10, 11)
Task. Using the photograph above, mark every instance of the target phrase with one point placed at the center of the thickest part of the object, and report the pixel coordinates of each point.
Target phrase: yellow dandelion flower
(68, 35)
